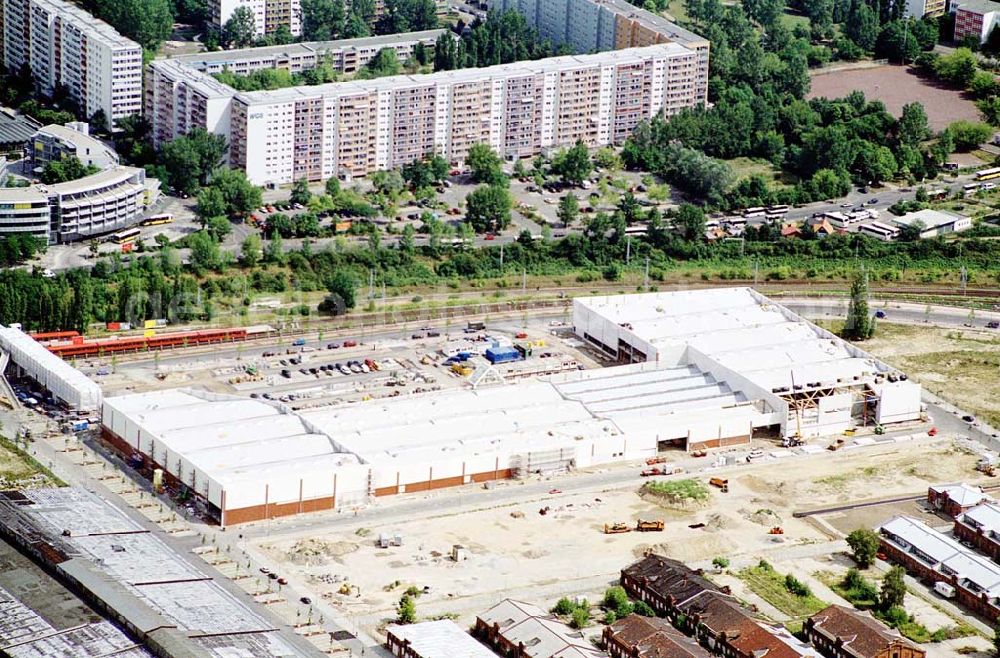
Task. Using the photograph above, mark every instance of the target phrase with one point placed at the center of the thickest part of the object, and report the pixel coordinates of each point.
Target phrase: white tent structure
(69, 386)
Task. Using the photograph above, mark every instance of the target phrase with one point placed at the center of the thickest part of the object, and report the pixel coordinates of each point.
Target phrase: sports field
(896, 86)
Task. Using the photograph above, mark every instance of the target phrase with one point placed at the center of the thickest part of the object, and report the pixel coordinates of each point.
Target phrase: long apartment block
(181, 93)
(520, 110)
(634, 66)
(589, 26)
(63, 45)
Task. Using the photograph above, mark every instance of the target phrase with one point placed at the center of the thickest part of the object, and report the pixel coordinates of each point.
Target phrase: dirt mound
(677, 495)
(765, 486)
(716, 522)
(640, 550)
(317, 552)
(765, 517)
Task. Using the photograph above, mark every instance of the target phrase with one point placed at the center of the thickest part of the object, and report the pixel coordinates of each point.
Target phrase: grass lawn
(676, 11)
(792, 21)
(744, 167)
(770, 585)
(17, 468)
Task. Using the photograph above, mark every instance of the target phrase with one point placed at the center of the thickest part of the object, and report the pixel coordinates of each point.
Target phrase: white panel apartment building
(597, 25)
(64, 45)
(181, 94)
(635, 65)
(520, 109)
(268, 14)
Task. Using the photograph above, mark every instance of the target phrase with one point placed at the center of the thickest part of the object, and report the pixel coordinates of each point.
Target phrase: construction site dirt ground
(516, 552)
(960, 365)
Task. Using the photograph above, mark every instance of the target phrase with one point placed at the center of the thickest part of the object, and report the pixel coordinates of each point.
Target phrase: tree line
(158, 285)
(325, 20)
(504, 37)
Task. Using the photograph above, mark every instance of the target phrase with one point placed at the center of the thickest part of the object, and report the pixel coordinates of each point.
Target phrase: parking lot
(314, 371)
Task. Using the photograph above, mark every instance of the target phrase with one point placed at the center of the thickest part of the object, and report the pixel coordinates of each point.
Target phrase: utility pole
(501, 257)
(524, 281)
(645, 277)
(964, 278)
(628, 249)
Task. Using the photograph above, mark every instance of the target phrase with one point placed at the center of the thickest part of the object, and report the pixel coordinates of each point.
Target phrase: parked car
(993, 324)
(332, 346)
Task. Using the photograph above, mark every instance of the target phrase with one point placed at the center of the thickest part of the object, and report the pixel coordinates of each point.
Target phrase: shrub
(796, 587)
(895, 616)
(564, 607)
(615, 598)
(643, 609)
(580, 617)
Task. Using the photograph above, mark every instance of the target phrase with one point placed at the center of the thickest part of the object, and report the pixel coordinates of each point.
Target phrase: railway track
(560, 299)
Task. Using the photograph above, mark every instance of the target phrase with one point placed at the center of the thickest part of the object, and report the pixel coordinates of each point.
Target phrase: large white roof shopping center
(756, 345)
(700, 369)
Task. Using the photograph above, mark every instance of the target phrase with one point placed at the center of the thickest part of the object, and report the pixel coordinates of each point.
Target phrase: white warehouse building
(700, 369)
(820, 382)
(68, 385)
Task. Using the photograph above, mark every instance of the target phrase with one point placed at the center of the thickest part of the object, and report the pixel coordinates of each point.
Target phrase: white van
(944, 589)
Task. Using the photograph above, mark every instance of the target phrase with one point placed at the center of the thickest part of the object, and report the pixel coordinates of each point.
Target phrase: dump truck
(649, 526)
(648, 472)
(616, 528)
(652, 461)
(721, 483)
(776, 530)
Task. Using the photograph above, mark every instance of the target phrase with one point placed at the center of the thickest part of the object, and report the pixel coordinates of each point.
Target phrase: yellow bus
(987, 174)
(127, 236)
(155, 220)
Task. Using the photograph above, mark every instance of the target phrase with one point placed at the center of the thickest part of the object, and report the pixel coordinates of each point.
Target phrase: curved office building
(77, 210)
